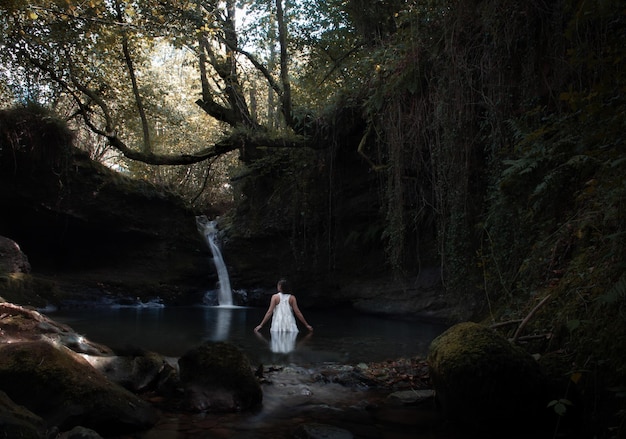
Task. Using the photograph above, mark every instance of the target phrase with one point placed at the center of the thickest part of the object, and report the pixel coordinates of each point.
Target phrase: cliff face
(89, 228)
(93, 233)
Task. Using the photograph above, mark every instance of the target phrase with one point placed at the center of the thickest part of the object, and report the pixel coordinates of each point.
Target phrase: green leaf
(573, 324)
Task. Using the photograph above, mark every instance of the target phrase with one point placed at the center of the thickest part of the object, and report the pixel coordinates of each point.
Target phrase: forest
(484, 138)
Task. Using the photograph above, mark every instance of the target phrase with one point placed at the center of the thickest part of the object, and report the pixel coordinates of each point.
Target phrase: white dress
(283, 319)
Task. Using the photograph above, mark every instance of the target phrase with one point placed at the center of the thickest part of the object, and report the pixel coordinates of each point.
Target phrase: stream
(295, 393)
(340, 335)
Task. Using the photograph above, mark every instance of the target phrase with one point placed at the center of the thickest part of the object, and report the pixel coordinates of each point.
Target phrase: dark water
(339, 335)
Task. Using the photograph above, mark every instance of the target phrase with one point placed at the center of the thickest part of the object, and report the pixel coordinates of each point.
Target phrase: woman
(283, 306)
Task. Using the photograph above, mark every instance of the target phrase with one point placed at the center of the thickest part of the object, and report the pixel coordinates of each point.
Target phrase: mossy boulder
(65, 392)
(18, 421)
(137, 371)
(484, 382)
(218, 377)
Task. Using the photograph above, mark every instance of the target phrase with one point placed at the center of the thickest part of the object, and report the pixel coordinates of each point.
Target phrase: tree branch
(522, 325)
(236, 141)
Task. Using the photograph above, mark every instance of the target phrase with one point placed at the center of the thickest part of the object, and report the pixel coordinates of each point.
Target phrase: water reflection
(340, 335)
(280, 342)
(217, 323)
(283, 342)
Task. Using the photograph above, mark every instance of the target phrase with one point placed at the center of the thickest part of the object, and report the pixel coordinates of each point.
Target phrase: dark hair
(284, 285)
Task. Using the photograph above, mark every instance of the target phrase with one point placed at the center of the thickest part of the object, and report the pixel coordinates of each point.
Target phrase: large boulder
(72, 354)
(484, 382)
(137, 371)
(17, 421)
(67, 392)
(218, 377)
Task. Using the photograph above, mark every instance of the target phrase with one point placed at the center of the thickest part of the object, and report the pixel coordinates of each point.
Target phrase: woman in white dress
(283, 306)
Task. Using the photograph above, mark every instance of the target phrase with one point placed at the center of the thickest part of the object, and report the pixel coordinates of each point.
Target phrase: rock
(135, 373)
(79, 433)
(66, 391)
(321, 431)
(419, 297)
(218, 377)
(12, 259)
(17, 421)
(19, 323)
(482, 381)
(409, 397)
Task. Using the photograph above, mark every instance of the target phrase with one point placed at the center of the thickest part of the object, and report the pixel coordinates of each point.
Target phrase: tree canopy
(100, 59)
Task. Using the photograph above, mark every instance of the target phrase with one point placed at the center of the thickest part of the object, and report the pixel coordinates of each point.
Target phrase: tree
(96, 54)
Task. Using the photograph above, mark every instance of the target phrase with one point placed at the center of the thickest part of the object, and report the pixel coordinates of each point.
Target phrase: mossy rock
(218, 377)
(484, 382)
(65, 391)
(27, 290)
(17, 421)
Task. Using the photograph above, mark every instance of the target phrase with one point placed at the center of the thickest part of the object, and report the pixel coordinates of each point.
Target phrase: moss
(25, 289)
(221, 366)
(481, 379)
(220, 363)
(64, 390)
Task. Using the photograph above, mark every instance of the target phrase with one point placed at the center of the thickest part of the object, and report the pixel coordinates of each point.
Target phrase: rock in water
(66, 392)
(484, 382)
(321, 431)
(217, 377)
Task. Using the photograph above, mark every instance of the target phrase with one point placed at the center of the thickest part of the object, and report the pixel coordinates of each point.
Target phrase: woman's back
(283, 319)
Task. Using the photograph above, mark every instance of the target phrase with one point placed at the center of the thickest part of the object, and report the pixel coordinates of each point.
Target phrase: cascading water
(209, 231)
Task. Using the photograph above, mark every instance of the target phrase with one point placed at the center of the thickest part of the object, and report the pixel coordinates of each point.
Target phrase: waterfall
(209, 231)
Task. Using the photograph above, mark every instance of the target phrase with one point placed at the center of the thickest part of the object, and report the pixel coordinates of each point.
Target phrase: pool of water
(339, 335)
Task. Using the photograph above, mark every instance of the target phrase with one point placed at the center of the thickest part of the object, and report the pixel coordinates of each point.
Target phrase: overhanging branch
(236, 141)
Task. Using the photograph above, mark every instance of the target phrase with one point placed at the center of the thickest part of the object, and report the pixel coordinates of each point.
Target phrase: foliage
(498, 129)
(555, 217)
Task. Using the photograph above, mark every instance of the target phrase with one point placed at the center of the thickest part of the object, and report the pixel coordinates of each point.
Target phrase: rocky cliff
(89, 229)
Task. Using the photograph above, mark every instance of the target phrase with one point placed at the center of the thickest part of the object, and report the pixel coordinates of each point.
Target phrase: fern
(615, 294)
(520, 167)
(577, 167)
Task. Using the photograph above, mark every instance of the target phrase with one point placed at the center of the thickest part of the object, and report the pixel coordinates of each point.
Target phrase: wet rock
(419, 297)
(12, 259)
(18, 323)
(218, 377)
(17, 421)
(79, 433)
(134, 372)
(321, 431)
(410, 397)
(66, 391)
(484, 382)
